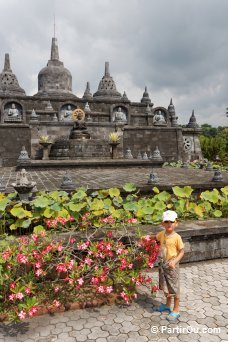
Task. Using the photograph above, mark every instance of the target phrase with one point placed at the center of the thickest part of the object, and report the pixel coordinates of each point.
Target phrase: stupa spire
(107, 73)
(54, 49)
(7, 63)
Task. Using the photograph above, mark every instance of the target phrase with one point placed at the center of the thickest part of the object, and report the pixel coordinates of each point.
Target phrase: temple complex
(79, 128)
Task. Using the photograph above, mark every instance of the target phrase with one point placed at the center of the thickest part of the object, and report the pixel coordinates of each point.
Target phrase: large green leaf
(3, 203)
(97, 204)
(131, 206)
(211, 196)
(184, 192)
(217, 213)
(79, 195)
(76, 207)
(41, 202)
(225, 190)
(148, 210)
(129, 187)
(38, 229)
(20, 212)
(114, 192)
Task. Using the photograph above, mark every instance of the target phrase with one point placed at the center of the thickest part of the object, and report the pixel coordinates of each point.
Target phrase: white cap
(169, 215)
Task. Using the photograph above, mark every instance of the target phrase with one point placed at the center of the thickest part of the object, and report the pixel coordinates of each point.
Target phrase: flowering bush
(42, 270)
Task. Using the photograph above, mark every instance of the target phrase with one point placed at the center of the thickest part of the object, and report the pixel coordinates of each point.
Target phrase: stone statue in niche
(66, 114)
(12, 113)
(159, 119)
(120, 116)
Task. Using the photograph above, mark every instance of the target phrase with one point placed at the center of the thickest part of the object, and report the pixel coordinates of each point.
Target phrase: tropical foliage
(59, 210)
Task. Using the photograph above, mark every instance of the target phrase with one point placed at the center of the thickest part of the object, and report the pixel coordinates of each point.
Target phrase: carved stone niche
(13, 112)
(160, 117)
(119, 115)
(65, 113)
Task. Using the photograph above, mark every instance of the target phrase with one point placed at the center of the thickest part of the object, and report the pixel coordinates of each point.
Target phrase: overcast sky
(177, 48)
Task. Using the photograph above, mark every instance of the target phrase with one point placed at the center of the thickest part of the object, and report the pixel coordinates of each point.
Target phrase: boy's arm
(174, 261)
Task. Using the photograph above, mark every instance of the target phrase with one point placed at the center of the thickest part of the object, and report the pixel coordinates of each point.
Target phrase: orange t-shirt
(170, 245)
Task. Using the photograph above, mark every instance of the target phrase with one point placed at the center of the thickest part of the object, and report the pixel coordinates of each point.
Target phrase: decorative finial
(107, 73)
(7, 63)
(171, 102)
(54, 49)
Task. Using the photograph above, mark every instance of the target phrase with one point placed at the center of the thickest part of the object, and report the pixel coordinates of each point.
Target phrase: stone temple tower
(54, 79)
(8, 81)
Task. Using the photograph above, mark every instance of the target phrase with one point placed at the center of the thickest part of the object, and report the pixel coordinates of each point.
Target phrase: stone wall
(13, 137)
(145, 139)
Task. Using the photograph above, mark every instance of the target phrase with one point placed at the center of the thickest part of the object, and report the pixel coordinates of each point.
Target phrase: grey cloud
(177, 48)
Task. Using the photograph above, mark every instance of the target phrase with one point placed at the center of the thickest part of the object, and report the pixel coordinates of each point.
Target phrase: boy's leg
(176, 307)
(168, 300)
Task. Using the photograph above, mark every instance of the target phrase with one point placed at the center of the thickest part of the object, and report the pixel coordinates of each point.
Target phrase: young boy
(171, 252)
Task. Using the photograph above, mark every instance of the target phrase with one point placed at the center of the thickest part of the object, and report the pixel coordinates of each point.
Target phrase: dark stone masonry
(53, 110)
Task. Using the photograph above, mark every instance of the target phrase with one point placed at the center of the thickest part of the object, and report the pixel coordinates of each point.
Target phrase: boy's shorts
(169, 279)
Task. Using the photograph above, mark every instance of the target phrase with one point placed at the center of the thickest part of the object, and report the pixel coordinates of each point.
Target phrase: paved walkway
(204, 315)
(94, 178)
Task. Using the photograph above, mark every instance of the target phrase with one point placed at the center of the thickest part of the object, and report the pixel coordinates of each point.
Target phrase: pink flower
(60, 248)
(56, 303)
(12, 286)
(88, 261)
(27, 290)
(109, 289)
(12, 297)
(22, 259)
(22, 314)
(19, 295)
(34, 237)
(154, 288)
(80, 281)
(56, 289)
(119, 251)
(101, 289)
(32, 311)
(72, 240)
(39, 272)
(6, 255)
(132, 220)
(109, 234)
(38, 264)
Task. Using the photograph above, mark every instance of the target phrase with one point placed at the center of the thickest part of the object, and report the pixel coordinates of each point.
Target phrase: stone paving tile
(117, 323)
(94, 178)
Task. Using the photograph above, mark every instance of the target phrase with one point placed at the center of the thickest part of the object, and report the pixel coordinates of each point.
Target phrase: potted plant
(114, 141)
(45, 141)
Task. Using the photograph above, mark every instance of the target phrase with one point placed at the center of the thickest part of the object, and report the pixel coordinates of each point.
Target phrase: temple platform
(105, 176)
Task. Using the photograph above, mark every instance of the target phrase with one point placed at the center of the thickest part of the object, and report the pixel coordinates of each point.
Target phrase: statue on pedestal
(13, 113)
(159, 119)
(120, 116)
(79, 130)
(66, 114)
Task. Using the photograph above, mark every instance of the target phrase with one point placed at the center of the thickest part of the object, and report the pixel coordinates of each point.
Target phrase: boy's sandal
(172, 316)
(162, 308)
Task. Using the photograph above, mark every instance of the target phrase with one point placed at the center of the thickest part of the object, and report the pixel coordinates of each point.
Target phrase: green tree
(214, 142)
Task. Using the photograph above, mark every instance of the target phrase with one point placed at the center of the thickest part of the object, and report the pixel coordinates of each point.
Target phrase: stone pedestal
(46, 148)
(114, 150)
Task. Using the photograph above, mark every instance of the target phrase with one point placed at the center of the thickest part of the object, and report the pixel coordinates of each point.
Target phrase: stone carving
(66, 114)
(107, 86)
(145, 99)
(12, 114)
(34, 117)
(120, 116)
(187, 144)
(139, 156)
(24, 179)
(23, 157)
(79, 130)
(49, 106)
(158, 119)
(217, 176)
(156, 155)
(145, 156)
(192, 121)
(67, 182)
(87, 108)
(128, 154)
(153, 178)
